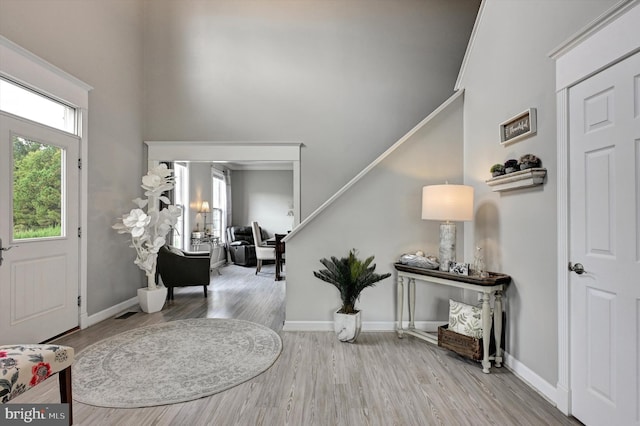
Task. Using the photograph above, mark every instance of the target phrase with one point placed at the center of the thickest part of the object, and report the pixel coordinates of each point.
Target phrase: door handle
(4, 249)
(577, 268)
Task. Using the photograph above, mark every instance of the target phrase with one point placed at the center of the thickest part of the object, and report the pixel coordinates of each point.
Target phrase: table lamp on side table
(204, 209)
(448, 203)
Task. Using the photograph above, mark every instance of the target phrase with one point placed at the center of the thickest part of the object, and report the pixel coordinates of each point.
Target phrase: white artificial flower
(141, 203)
(137, 220)
(147, 264)
(161, 170)
(149, 229)
(175, 211)
(151, 182)
(156, 244)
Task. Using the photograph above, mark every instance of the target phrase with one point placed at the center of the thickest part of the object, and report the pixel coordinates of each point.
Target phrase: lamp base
(447, 252)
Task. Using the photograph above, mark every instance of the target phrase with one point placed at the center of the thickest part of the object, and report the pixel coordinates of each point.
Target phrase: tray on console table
(494, 278)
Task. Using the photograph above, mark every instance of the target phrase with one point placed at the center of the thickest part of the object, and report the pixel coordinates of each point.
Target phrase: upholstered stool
(25, 366)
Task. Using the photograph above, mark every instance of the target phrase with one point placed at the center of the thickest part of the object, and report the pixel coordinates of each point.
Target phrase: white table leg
(412, 303)
(400, 304)
(486, 331)
(497, 327)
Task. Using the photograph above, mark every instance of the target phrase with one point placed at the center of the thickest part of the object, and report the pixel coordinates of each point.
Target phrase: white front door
(39, 182)
(604, 151)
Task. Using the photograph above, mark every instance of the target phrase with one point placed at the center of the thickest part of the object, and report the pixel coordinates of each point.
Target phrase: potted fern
(350, 276)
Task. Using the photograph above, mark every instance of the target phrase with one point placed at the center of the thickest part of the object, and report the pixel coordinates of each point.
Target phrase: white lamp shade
(447, 202)
(204, 208)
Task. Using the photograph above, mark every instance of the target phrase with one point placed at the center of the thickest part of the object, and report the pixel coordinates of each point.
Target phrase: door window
(37, 189)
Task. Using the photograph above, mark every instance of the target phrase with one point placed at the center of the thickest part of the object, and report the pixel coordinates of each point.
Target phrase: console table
(492, 286)
(217, 250)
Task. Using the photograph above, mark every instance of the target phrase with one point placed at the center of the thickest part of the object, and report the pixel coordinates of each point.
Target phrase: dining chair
(263, 251)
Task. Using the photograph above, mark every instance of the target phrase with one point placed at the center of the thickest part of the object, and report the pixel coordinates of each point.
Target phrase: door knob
(4, 249)
(577, 268)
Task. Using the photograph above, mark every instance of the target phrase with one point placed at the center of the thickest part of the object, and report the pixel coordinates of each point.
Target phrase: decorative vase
(152, 300)
(347, 326)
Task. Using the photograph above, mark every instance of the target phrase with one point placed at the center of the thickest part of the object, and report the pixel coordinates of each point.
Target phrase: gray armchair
(179, 268)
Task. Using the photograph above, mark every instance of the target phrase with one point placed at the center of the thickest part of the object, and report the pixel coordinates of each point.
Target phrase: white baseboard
(537, 383)
(107, 313)
(430, 326)
(563, 399)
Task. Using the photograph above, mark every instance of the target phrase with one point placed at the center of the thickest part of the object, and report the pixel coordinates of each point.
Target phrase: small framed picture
(518, 127)
(459, 268)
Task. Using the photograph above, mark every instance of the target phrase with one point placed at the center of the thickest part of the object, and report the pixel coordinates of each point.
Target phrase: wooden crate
(466, 346)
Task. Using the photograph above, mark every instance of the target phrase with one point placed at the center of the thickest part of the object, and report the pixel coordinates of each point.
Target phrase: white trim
(373, 164)
(223, 151)
(527, 375)
(110, 312)
(607, 40)
(24, 67)
(592, 27)
(562, 273)
(614, 36)
(470, 45)
(428, 326)
(231, 151)
(27, 68)
(83, 119)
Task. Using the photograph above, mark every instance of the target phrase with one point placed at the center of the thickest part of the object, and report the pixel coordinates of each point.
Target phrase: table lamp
(447, 203)
(204, 209)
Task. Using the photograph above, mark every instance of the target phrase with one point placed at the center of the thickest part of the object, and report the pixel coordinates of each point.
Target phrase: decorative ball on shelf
(497, 170)
(511, 166)
(529, 161)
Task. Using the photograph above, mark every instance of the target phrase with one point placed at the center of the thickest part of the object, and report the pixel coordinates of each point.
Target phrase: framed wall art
(519, 127)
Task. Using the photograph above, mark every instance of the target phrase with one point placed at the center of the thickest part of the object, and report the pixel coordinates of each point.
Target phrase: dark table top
(494, 278)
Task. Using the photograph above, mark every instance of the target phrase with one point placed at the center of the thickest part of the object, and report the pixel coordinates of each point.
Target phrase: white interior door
(39, 274)
(604, 151)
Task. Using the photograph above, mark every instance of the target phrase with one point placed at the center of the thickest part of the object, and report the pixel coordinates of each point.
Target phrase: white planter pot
(347, 326)
(152, 300)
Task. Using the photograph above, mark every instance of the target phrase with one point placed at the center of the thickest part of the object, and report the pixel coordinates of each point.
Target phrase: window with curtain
(181, 199)
(218, 204)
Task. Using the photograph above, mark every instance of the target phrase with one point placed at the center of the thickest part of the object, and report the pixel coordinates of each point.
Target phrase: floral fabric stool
(25, 366)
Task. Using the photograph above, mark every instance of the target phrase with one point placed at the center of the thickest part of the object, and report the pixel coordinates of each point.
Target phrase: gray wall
(265, 196)
(381, 216)
(99, 42)
(347, 78)
(518, 229)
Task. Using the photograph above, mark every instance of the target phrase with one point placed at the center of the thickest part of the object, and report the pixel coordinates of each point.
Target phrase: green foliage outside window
(37, 200)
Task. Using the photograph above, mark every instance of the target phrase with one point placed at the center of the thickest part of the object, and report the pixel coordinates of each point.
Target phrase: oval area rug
(172, 362)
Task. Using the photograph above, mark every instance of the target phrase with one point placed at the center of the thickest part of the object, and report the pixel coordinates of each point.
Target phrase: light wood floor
(380, 380)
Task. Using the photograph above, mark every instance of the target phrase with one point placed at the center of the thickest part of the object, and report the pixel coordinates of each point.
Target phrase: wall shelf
(521, 179)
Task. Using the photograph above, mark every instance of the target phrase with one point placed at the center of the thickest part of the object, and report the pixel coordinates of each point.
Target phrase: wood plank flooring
(380, 380)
